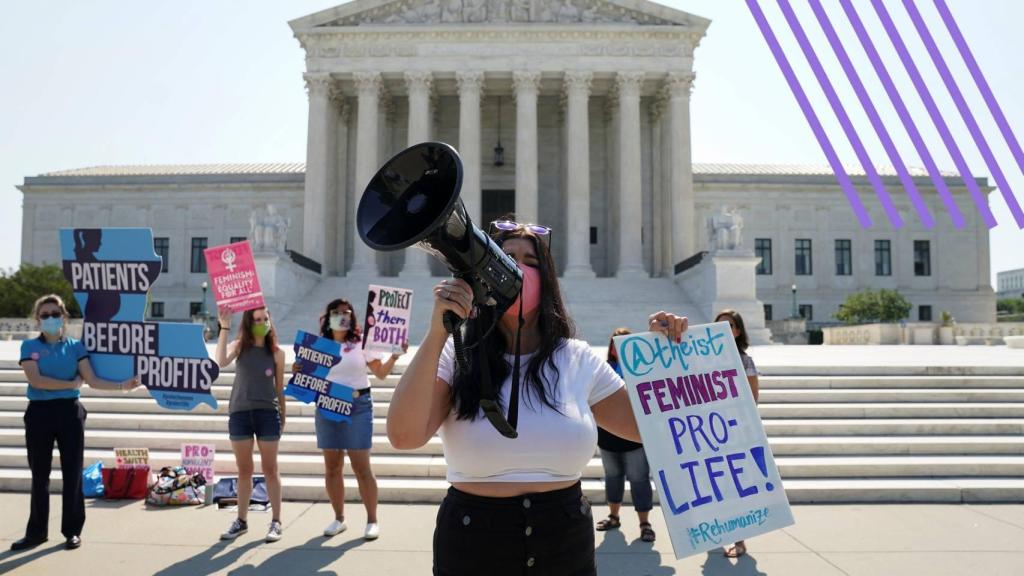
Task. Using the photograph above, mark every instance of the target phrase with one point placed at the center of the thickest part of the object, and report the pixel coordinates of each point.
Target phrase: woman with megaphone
(515, 502)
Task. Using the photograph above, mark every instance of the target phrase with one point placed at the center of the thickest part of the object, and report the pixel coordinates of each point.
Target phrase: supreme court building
(570, 113)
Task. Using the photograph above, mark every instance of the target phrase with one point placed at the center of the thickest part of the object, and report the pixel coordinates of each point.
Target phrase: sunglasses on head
(508, 225)
(48, 315)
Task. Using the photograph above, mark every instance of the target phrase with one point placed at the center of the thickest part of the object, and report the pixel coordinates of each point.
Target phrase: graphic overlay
(709, 455)
(233, 276)
(387, 319)
(317, 356)
(199, 458)
(111, 270)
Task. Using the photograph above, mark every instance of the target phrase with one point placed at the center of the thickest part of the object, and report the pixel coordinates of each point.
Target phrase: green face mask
(260, 330)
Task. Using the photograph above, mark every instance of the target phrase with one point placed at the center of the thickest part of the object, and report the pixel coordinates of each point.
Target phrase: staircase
(899, 435)
(597, 305)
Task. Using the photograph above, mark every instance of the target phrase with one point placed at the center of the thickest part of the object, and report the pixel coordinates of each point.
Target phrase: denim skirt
(356, 434)
(546, 533)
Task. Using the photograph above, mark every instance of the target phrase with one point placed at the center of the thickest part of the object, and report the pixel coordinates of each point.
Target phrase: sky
(106, 82)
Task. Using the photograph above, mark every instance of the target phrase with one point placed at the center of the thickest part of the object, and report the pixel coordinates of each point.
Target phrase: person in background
(739, 332)
(55, 366)
(355, 437)
(257, 409)
(624, 459)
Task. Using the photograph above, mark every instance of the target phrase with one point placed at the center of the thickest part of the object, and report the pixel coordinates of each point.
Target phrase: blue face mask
(52, 326)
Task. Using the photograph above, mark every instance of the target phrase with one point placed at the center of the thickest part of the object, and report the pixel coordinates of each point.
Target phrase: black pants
(549, 533)
(63, 421)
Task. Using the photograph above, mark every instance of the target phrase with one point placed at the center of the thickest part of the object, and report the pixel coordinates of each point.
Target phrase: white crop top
(551, 447)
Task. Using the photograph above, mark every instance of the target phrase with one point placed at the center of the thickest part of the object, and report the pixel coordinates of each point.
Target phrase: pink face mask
(529, 295)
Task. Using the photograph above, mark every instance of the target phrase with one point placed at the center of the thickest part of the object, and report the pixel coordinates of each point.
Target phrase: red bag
(125, 483)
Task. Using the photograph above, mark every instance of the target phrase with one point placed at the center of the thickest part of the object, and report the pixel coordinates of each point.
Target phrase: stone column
(527, 85)
(630, 199)
(337, 203)
(577, 88)
(659, 232)
(368, 87)
(28, 228)
(419, 84)
(320, 143)
(470, 89)
(681, 192)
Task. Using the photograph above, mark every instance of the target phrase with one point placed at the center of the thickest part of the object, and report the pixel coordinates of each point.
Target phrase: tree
(1010, 306)
(869, 306)
(20, 289)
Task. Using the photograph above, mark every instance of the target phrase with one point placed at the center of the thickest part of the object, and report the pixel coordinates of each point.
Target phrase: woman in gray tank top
(257, 409)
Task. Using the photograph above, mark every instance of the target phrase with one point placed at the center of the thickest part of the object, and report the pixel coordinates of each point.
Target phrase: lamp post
(795, 314)
(203, 312)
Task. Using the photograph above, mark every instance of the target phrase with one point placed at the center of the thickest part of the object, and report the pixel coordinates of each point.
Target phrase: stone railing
(923, 333)
(25, 328)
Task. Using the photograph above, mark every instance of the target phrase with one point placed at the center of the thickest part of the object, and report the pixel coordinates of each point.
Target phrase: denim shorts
(263, 424)
(356, 434)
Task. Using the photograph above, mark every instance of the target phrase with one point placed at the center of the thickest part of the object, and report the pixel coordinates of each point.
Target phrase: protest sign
(233, 276)
(199, 458)
(387, 319)
(111, 270)
(317, 356)
(709, 456)
(131, 457)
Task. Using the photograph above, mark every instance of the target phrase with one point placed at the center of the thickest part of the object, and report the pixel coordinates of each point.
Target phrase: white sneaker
(335, 528)
(274, 534)
(372, 531)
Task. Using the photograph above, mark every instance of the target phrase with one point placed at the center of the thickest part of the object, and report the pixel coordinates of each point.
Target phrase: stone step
(799, 491)
(415, 465)
(889, 382)
(292, 443)
(773, 426)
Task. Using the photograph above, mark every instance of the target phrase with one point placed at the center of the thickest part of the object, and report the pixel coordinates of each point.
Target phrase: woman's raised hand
(224, 316)
(454, 295)
(668, 324)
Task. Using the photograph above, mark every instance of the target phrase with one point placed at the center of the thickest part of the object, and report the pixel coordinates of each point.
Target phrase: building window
(198, 261)
(922, 258)
(803, 257)
(844, 258)
(162, 247)
(763, 249)
(767, 312)
(235, 239)
(195, 308)
(807, 312)
(156, 310)
(883, 258)
(593, 235)
(924, 313)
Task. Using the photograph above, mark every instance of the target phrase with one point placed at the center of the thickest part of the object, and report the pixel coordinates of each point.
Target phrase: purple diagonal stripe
(876, 121)
(908, 121)
(805, 105)
(983, 87)
(965, 112)
(840, 111)
(933, 112)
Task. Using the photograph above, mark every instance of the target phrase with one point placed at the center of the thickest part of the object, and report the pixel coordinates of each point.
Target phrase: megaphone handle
(451, 321)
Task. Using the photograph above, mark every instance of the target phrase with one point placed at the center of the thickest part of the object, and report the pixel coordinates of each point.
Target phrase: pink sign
(233, 276)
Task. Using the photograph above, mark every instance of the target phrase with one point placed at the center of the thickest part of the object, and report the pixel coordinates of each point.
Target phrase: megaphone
(414, 200)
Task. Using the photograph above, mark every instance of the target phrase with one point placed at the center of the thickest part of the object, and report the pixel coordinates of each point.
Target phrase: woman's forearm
(409, 411)
(47, 383)
(222, 348)
(102, 384)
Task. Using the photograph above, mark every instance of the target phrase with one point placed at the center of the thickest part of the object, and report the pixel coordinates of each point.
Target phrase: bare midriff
(510, 489)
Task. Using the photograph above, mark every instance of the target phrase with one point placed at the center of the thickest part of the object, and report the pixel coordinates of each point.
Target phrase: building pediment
(438, 12)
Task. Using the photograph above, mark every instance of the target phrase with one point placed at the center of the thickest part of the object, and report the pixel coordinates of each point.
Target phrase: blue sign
(316, 356)
(111, 271)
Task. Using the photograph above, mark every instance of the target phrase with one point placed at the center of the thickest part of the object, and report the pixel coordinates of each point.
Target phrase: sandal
(609, 523)
(738, 549)
(646, 532)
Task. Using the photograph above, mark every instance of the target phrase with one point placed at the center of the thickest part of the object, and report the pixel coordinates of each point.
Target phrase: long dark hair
(742, 341)
(353, 334)
(611, 343)
(541, 375)
(245, 338)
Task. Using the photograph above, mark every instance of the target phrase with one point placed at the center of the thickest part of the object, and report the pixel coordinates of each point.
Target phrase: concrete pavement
(868, 540)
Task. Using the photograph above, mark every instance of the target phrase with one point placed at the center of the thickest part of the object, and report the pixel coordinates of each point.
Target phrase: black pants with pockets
(62, 421)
